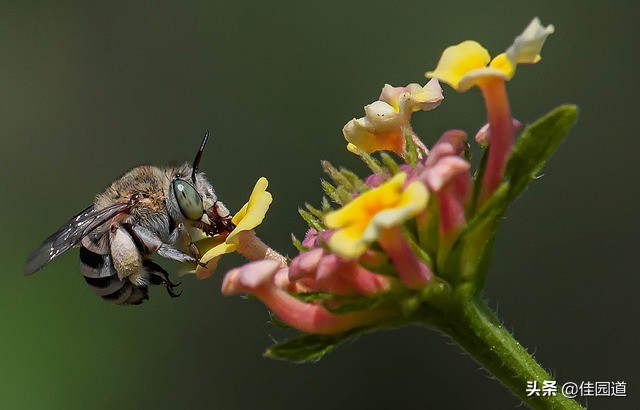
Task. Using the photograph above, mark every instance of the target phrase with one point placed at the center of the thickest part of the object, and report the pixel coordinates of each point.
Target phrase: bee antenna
(196, 161)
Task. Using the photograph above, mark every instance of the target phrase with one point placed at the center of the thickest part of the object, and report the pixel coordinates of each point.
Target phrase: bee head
(195, 200)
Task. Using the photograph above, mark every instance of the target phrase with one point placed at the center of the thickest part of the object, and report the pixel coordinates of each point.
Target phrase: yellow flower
(379, 129)
(464, 65)
(413, 97)
(382, 127)
(360, 222)
(250, 215)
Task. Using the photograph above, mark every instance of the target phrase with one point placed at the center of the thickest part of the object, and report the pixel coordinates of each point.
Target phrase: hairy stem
(474, 326)
(252, 248)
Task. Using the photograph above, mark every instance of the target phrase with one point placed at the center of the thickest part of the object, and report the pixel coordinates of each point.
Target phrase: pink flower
(330, 273)
(446, 174)
(259, 279)
(484, 133)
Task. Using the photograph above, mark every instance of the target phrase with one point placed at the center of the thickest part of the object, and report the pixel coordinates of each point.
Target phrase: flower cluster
(392, 245)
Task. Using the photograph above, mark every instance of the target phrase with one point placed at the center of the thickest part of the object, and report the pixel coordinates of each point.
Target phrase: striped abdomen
(102, 277)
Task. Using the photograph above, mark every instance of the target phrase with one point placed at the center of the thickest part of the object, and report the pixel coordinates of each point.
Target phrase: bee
(147, 211)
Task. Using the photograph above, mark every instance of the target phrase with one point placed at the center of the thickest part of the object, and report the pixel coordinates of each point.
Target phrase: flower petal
(249, 216)
(259, 279)
(359, 222)
(377, 135)
(253, 212)
(481, 75)
(526, 47)
(248, 277)
(204, 273)
(502, 63)
(381, 117)
(413, 200)
(422, 98)
(391, 95)
(484, 133)
(459, 61)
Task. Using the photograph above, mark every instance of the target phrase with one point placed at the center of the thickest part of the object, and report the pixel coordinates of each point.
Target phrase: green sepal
(314, 211)
(311, 220)
(415, 247)
(298, 244)
(336, 176)
(275, 320)
(411, 149)
(428, 228)
(352, 304)
(437, 292)
(422, 152)
(477, 179)
(344, 196)
(467, 151)
(468, 255)
(495, 207)
(358, 184)
(331, 191)
(312, 296)
(326, 206)
(374, 165)
(535, 146)
(384, 268)
(391, 165)
(410, 305)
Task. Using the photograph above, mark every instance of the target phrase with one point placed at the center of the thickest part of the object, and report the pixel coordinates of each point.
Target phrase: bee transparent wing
(70, 234)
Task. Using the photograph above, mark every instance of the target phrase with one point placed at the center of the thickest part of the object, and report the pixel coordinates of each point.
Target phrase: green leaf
(471, 254)
(311, 348)
(495, 207)
(304, 349)
(535, 146)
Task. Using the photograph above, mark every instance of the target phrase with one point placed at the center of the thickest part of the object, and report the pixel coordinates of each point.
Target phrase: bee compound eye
(188, 199)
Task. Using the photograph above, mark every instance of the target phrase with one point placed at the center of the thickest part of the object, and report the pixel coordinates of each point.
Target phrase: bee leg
(169, 252)
(159, 280)
(155, 268)
(154, 244)
(125, 253)
(181, 236)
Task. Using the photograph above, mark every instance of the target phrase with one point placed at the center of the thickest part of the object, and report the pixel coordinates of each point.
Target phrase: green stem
(475, 327)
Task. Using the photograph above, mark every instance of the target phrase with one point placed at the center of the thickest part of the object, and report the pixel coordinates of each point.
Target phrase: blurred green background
(91, 90)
